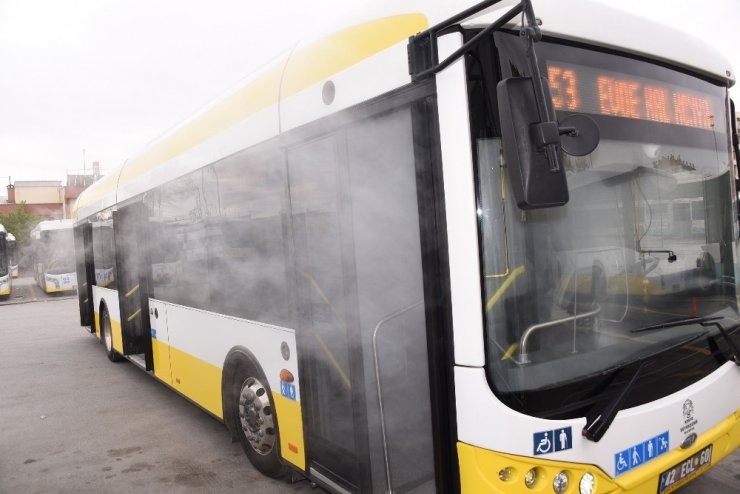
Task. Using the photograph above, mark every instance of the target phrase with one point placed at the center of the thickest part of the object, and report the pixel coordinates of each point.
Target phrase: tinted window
(104, 252)
(246, 231)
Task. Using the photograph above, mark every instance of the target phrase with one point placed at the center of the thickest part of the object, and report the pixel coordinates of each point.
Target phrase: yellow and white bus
(346, 263)
(12, 255)
(6, 278)
(52, 251)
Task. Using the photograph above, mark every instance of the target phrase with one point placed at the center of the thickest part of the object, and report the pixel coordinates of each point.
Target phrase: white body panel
(158, 324)
(482, 420)
(64, 281)
(111, 301)
(261, 126)
(209, 337)
(379, 73)
(462, 230)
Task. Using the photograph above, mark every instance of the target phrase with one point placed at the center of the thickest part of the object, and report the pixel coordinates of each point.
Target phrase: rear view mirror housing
(533, 142)
(531, 146)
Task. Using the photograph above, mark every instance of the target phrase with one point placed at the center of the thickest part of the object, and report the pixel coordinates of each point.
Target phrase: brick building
(49, 199)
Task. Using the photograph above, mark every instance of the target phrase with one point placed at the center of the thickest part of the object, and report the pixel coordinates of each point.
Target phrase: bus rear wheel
(107, 336)
(255, 421)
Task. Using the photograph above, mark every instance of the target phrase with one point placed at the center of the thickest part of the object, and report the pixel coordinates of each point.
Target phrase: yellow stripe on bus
(309, 65)
(56, 290)
(117, 334)
(161, 357)
(132, 316)
(198, 380)
(328, 56)
(290, 425)
(479, 468)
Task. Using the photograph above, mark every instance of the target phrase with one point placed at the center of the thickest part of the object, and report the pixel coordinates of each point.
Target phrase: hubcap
(256, 417)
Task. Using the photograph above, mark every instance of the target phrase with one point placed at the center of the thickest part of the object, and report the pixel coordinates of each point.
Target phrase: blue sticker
(288, 390)
(621, 462)
(551, 441)
(662, 441)
(640, 453)
(543, 443)
(563, 439)
(154, 333)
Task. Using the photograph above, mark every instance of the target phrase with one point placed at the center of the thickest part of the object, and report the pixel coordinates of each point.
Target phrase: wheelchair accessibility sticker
(551, 441)
(640, 453)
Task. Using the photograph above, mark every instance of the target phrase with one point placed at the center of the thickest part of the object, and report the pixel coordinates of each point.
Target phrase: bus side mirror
(533, 145)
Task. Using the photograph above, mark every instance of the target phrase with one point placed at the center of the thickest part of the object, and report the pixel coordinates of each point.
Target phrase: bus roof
(53, 225)
(364, 56)
(595, 23)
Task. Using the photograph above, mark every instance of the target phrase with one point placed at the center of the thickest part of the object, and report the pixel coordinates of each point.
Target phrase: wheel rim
(107, 338)
(256, 417)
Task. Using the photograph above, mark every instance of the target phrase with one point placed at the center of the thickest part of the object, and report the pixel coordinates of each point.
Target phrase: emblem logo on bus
(689, 441)
(689, 420)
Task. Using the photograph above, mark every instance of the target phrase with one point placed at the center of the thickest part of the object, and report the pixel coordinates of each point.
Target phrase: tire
(107, 336)
(253, 415)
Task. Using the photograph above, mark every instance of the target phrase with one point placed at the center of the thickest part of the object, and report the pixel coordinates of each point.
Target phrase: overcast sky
(109, 76)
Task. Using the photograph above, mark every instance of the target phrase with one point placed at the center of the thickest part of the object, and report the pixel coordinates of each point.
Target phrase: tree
(20, 223)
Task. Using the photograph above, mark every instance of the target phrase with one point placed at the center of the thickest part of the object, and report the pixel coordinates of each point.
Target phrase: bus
(416, 254)
(6, 280)
(52, 250)
(12, 255)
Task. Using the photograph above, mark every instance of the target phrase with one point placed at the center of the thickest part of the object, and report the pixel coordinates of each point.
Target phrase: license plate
(681, 473)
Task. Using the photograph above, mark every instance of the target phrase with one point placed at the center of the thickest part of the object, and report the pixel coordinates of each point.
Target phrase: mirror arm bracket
(422, 47)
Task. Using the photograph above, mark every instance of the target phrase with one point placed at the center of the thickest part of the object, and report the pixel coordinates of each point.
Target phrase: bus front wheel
(107, 336)
(255, 421)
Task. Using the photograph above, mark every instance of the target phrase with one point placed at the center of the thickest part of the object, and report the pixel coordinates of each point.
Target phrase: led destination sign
(590, 90)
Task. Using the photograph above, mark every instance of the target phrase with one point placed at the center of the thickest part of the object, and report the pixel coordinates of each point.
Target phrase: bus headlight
(587, 484)
(530, 478)
(505, 474)
(560, 483)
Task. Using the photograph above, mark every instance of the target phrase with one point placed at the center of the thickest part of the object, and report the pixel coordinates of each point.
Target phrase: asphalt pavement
(71, 421)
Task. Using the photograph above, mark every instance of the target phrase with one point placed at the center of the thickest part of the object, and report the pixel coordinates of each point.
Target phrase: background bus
(52, 252)
(6, 279)
(333, 260)
(12, 255)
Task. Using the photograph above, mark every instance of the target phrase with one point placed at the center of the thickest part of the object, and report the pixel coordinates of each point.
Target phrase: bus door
(133, 267)
(362, 325)
(329, 388)
(85, 273)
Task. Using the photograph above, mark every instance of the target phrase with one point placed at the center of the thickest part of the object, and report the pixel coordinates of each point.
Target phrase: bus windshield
(647, 236)
(57, 251)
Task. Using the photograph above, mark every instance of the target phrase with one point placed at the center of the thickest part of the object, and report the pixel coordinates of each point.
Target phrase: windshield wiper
(704, 321)
(730, 342)
(673, 323)
(601, 417)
